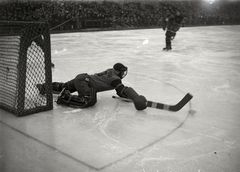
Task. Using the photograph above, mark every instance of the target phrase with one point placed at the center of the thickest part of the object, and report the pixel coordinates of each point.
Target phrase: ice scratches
(60, 51)
(72, 111)
(218, 135)
(186, 142)
(209, 161)
(102, 119)
(113, 147)
(160, 158)
(166, 164)
(224, 86)
(232, 144)
(158, 80)
(204, 134)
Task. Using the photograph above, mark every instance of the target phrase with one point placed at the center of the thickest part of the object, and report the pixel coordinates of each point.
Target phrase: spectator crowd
(121, 14)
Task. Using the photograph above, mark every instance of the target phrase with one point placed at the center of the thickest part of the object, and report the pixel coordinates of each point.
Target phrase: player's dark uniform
(172, 24)
(106, 80)
(88, 86)
(83, 83)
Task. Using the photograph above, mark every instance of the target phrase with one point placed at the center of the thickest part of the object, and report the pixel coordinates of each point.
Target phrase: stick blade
(182, 103)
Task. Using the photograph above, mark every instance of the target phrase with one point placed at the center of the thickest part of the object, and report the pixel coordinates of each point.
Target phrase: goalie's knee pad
(91, 100)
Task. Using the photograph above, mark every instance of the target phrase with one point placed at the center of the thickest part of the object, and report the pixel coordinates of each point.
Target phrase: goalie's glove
(140, 102)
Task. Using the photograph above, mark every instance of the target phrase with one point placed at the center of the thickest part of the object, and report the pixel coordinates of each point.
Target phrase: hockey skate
(167, 49)
(41, 88)
(57, 87)
(63, 95)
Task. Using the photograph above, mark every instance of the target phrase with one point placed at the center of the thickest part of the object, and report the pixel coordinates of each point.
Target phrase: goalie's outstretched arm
(140, 102)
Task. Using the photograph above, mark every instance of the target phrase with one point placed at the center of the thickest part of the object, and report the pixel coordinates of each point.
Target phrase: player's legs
(86, 96)
(66, 98)
(77, 84)
(81, 85)
(168, 40)
(168, 43)
(57, 87)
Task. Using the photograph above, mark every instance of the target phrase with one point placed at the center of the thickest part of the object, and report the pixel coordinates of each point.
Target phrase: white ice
(112, 135)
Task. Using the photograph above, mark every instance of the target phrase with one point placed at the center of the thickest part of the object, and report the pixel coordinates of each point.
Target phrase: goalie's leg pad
(91, 100)
(78, 102)
(70, 100)
(71, 103)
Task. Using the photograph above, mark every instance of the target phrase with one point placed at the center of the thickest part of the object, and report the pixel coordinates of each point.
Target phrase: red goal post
(25, 61)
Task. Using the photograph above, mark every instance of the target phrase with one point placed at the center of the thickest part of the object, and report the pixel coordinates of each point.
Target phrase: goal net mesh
(25, 62)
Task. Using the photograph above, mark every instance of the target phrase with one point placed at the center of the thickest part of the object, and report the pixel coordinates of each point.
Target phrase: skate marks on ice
(150, 122)
(215, 79)
(174, 154)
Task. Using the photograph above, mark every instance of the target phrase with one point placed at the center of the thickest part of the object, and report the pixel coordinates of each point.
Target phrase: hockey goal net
(25, 62)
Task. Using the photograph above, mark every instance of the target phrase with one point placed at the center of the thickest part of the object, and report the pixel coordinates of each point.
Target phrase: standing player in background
(172, 24)
(36, 17)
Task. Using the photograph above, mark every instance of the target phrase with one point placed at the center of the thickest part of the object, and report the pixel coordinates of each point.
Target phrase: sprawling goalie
(88, 86)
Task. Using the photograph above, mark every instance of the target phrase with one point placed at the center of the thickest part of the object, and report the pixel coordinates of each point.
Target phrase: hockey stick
(157, 105)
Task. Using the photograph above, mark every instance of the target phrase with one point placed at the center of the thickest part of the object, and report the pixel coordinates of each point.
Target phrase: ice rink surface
(114, 137)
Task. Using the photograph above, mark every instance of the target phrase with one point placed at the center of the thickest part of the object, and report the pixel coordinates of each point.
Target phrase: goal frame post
(35, 37)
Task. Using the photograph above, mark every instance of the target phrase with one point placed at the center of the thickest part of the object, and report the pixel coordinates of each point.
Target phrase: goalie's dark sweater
(103, 81)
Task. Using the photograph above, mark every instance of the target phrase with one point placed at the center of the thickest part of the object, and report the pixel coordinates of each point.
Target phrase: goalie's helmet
(120, 69)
